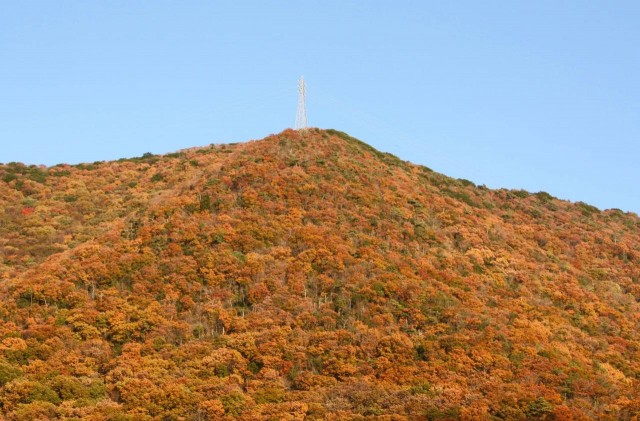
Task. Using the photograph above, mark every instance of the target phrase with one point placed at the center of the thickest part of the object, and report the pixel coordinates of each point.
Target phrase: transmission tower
(301, 114)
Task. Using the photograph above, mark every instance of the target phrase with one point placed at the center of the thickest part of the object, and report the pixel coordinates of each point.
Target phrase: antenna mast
(301, 114)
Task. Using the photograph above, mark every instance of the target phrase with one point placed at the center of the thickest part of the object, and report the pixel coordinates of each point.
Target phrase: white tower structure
(301, 114)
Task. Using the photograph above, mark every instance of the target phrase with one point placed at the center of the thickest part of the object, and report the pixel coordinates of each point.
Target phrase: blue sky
(540, 95)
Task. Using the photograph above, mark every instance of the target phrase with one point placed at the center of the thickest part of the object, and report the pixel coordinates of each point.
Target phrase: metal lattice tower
(301, 114)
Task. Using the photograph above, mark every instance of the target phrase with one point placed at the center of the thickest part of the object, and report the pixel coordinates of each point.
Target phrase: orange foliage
(309, 276)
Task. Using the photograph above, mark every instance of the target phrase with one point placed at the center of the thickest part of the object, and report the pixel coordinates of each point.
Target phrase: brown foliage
(308, 275)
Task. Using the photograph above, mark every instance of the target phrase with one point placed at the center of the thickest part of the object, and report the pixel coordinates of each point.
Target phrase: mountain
(309, 276)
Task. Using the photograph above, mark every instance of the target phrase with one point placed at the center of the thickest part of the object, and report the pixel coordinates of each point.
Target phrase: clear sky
(541, 95)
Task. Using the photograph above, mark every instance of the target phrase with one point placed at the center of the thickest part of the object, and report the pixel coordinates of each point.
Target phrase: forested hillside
(309, 276)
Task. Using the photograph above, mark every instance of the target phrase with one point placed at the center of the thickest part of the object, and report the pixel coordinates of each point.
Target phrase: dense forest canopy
(309, 276)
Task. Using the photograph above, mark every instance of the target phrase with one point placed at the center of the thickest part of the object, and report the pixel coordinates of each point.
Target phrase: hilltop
(309, 275)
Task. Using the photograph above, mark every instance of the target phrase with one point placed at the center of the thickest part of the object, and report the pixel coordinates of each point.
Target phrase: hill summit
(309, 276)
